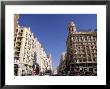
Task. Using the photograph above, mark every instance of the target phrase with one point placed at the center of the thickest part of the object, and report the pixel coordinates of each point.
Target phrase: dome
(72, 27)
(71, 23)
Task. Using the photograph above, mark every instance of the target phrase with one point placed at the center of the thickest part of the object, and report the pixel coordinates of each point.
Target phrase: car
(55, 74)
(47, 74)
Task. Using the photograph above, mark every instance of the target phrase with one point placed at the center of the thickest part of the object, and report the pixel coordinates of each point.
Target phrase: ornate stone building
(81, 56)
(23, 47)
(29, 55)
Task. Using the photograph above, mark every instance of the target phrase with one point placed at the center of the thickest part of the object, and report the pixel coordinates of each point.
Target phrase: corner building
(81, 59)
(29, 55)
(23, 51)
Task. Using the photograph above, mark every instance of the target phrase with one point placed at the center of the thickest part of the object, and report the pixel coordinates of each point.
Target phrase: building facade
(81, 56)
(16, 17)
(49, 56)
(62, 64)
(29, 55)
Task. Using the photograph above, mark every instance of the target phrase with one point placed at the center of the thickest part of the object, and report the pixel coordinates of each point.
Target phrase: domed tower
(72, 27)
(71, 31)
(70, 42)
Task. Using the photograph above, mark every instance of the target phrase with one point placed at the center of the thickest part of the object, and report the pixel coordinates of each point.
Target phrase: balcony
(19, 40)
(17, 49)
(18, 45)
(21, 31)
(15, 35)
(16, 56)
(20, 35)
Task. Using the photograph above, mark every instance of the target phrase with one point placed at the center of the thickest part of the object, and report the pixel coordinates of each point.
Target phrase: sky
(51, 30)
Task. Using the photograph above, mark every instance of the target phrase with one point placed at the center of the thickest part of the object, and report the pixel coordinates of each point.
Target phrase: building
(29, 55)
(62, 64)
(49, 56)
(24, 50)
(55, 71)
(43, 61)
(16, 17)
(81, 56)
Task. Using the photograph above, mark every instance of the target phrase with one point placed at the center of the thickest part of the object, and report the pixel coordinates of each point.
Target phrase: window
(82, 37)
(85, 38)
(76, 38)
(94, 38)
(79, 48)
(16, 30)
(88, 55)
(16, 54)
(15, 34)
(30, 35)
(22, 30)
(15, 39)
(95, 69)
(80, 60)
(23, 59)
(79, 55)
(73, 38)
(25, 43)
(81, 43)
(70, 44)
(84, 60)
(91, 37)
(83, 51)
(18, 49)
(20, 34)
(89, 59)
(94, 59)
(75, 60)
(87, 46)
(71, 56)
(92, 47)
(88, 38)
(84, 55)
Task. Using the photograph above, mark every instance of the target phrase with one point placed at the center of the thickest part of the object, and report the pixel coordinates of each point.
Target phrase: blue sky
(51, 29)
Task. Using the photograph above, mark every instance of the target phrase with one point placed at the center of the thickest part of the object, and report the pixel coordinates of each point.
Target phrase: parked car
(47, 74)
